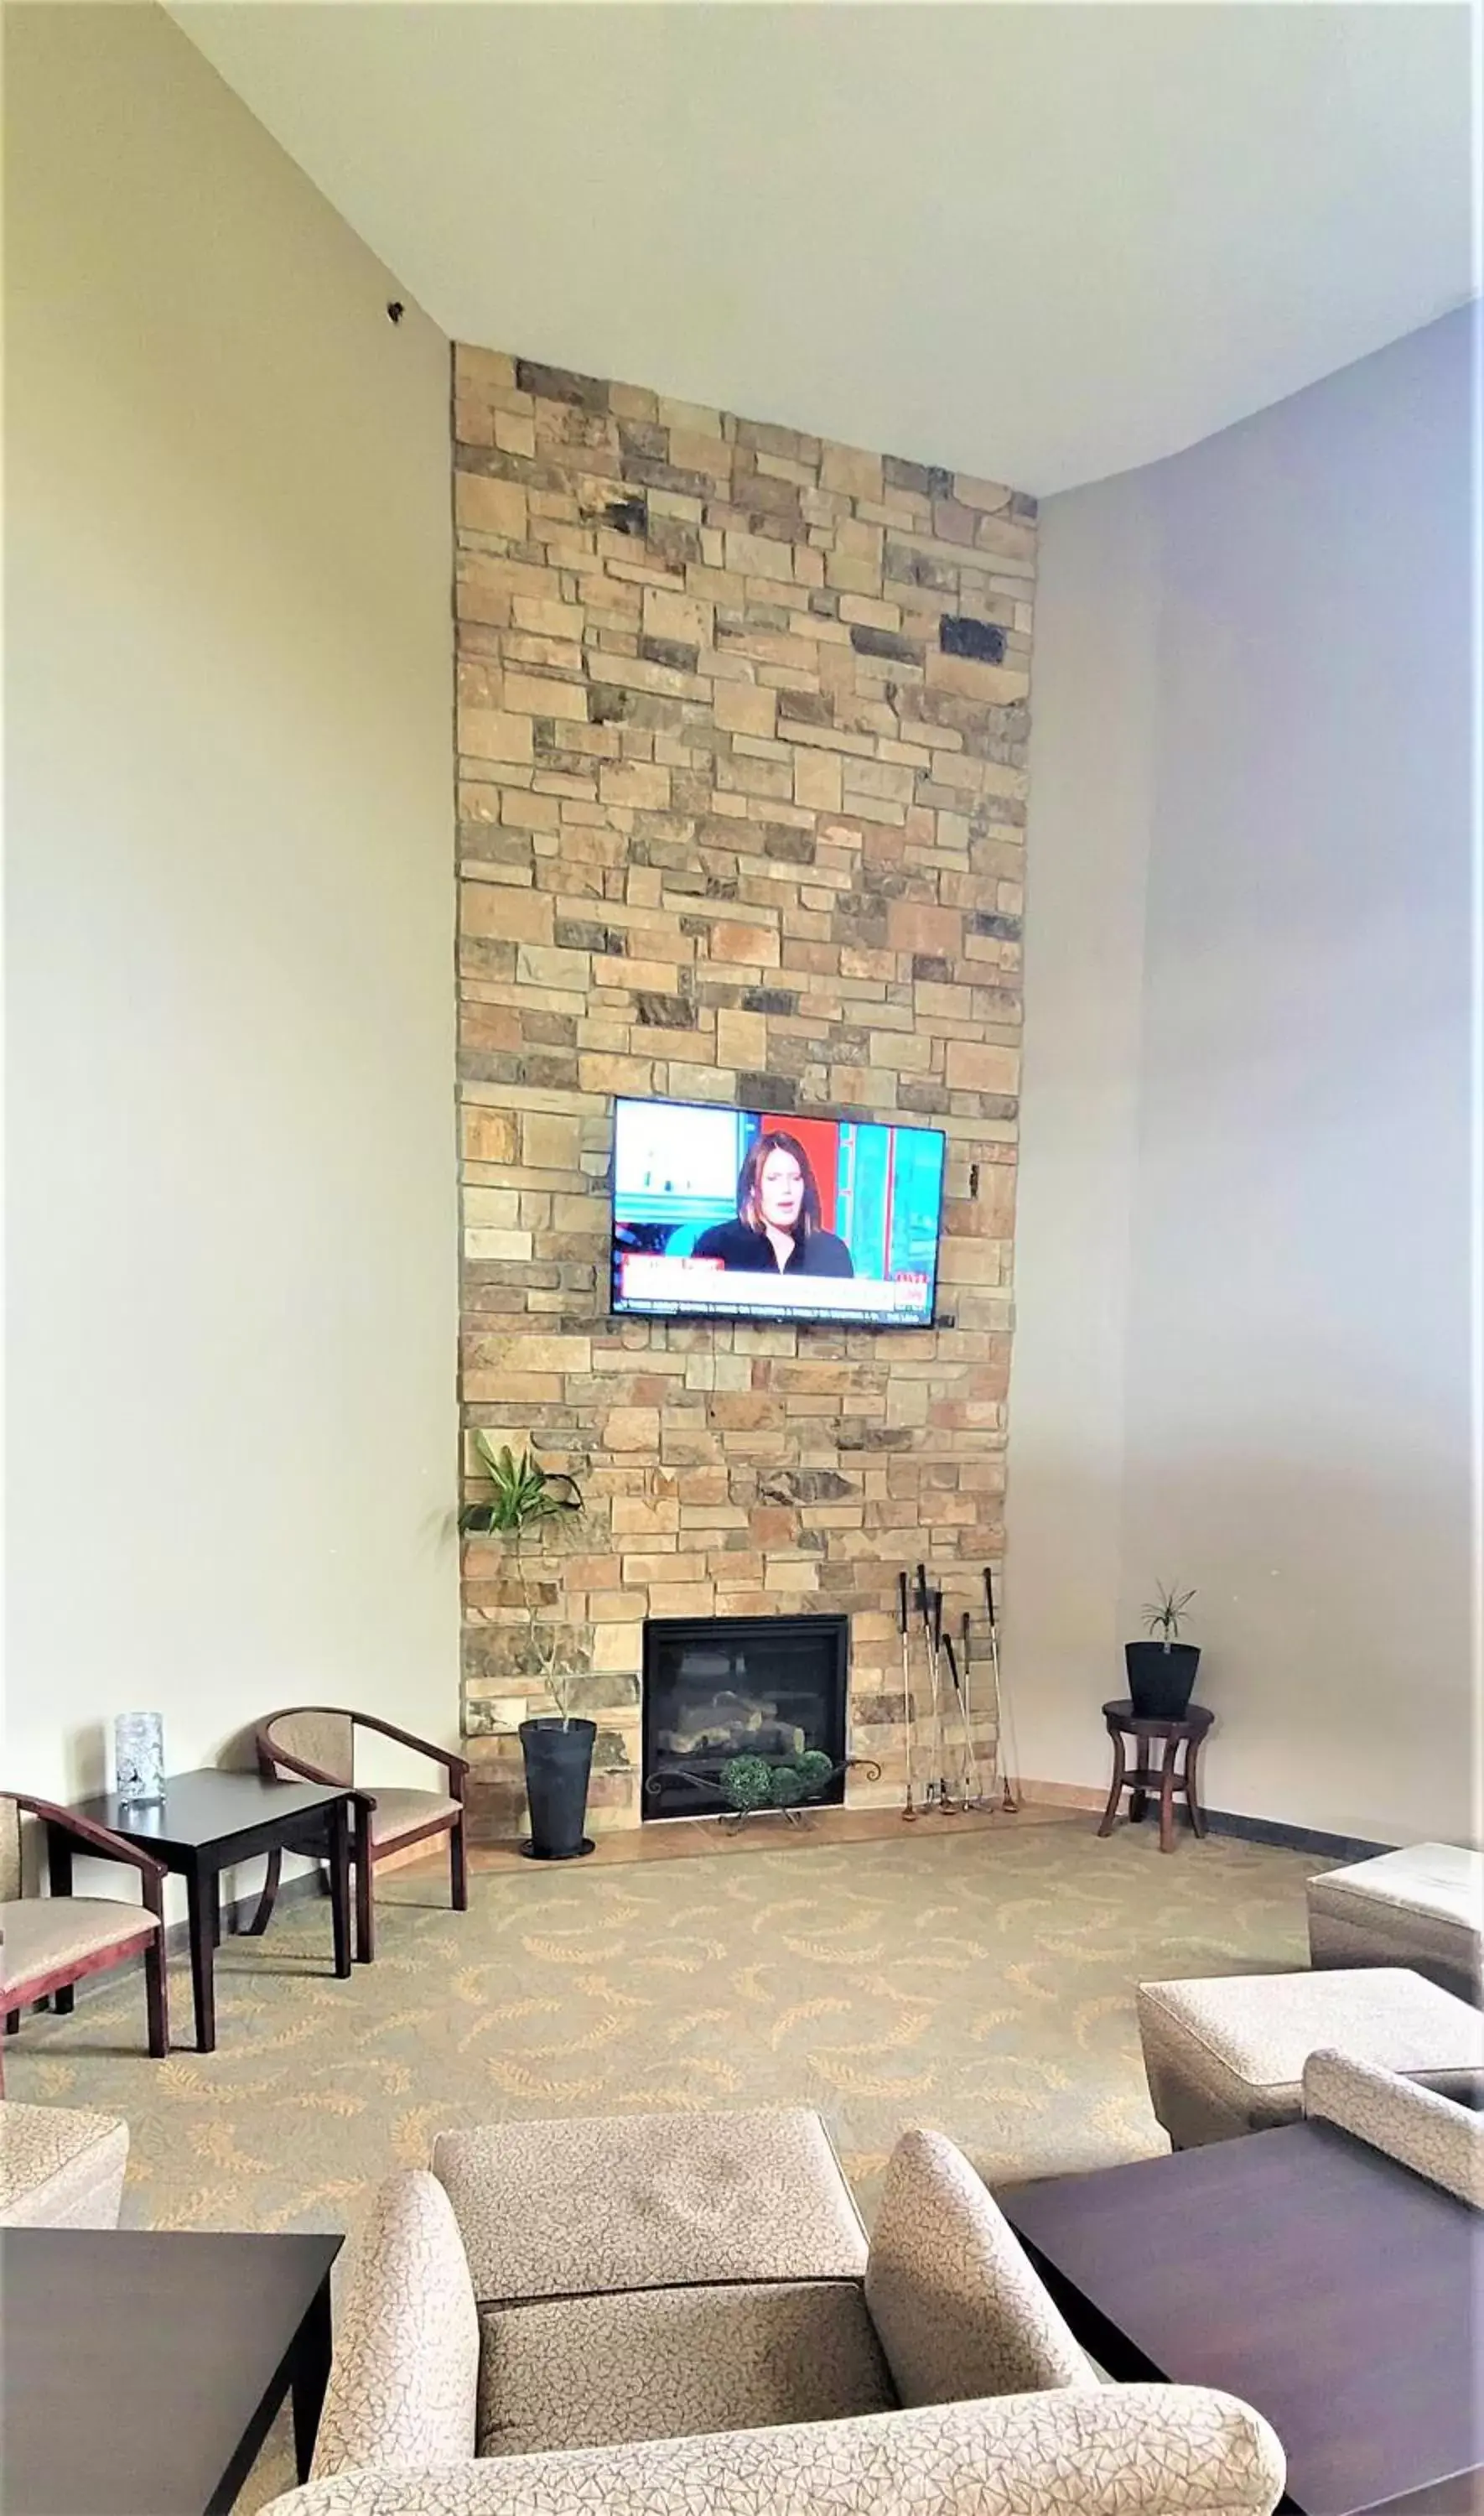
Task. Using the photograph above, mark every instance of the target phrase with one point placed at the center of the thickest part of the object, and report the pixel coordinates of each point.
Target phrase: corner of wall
(1088, 850)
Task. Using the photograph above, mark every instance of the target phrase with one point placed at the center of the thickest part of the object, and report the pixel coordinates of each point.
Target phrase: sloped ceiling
(1042, 242)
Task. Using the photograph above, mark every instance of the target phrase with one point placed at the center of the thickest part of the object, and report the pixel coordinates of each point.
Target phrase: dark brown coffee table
(1332, 2289)
(206, 1822)
(142, 2370)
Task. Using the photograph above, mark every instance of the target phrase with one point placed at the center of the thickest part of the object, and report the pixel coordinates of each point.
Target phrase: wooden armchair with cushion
(49, 1943)
(315, 1743)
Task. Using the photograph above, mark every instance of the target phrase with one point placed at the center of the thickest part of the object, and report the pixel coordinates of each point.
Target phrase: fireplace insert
(719, 1687)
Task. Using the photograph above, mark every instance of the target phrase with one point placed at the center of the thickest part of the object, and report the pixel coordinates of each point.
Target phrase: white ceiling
(1041, 242)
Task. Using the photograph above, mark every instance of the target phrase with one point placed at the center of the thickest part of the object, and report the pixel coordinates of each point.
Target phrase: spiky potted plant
(1162, 1670)
(522, 1500)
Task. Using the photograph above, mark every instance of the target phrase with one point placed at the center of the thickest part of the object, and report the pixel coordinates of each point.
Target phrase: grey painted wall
(1091, 802)
(1287, 1388)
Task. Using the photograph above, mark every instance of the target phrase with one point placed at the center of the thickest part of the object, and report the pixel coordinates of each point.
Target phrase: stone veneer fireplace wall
(741, 736)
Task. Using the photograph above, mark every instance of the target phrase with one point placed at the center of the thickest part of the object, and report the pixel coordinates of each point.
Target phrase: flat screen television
(755, 1214)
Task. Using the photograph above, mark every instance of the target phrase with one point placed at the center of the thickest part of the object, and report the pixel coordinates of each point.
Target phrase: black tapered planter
(558, 1758)
(1160, 1681)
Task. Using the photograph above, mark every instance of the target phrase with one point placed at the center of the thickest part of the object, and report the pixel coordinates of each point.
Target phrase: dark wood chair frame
(363, 1854)
(56, 1982)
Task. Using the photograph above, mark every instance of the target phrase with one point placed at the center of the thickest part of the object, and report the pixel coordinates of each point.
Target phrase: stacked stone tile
(742, 736)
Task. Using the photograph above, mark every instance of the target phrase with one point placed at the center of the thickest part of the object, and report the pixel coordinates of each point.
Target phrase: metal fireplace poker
(951, 1689)
(909, 1812)
(1008, 1770)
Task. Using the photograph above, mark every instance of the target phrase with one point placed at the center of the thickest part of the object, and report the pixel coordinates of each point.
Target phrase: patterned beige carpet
(980, 1983)
(983, 1983)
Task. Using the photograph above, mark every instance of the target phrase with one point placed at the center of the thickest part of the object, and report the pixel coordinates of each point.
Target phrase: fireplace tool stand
(950, 1674)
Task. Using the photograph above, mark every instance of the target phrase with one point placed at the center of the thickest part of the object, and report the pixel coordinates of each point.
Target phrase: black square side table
(206, 1822)
(143, 2370)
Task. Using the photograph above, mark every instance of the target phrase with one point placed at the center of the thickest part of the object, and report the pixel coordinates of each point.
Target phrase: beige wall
(1293, 1346)
(230, 917)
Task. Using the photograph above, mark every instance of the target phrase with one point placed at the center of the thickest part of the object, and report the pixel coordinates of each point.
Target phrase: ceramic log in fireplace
(717, 1686)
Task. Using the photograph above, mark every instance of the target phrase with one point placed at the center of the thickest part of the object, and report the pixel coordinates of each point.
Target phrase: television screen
(756, 1215)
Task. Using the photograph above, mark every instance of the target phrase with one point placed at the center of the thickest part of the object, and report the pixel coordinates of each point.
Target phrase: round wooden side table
(1145, 1776)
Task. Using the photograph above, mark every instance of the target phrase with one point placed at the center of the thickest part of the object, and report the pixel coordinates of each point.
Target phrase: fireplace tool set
(950, 1700)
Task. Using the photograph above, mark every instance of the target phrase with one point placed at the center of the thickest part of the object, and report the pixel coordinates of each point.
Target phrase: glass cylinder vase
(139, 1758)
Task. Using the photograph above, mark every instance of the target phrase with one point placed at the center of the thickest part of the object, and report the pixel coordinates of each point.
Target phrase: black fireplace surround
(716, 1687)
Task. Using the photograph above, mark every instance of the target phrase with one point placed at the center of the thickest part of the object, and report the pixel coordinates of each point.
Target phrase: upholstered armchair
(1419, 2126)
(315, 1743)
(679, 2339)
(61, 2168)
(49, 1943)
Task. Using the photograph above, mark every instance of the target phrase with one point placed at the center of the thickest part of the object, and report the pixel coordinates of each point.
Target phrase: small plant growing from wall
(524, 1498)
(522, 1492)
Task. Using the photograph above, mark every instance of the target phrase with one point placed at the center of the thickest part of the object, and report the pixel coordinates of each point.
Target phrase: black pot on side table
(559, 1759)
(1160, 1680)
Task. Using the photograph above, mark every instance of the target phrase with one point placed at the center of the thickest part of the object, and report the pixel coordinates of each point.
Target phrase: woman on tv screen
(777, 1230)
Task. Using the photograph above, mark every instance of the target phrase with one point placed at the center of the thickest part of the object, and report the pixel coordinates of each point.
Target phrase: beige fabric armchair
(1423, 1907)
(59, 2167)
(686, 2343)
(1419, 2126)
(1124, 2450)
(1225, 2054)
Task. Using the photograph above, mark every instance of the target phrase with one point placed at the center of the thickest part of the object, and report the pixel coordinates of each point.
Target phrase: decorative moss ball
(788, 1787)
(748, 1782)
(813, 1768)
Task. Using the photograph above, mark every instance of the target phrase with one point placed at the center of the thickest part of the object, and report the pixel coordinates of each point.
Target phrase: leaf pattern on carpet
(982, 1982)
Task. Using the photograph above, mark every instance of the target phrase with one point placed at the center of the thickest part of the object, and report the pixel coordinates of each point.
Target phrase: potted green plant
(1162, 1671)
(524, 1499)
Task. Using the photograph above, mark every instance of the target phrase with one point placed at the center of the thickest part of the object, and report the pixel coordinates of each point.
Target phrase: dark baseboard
(1294, 1838)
